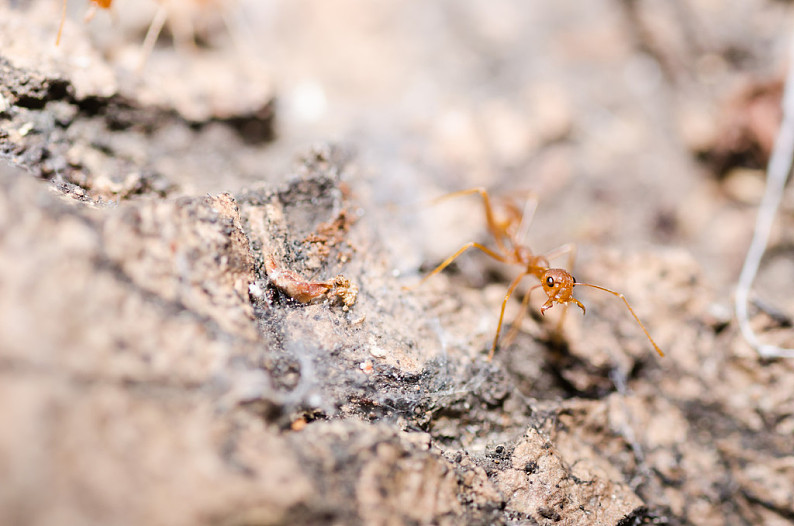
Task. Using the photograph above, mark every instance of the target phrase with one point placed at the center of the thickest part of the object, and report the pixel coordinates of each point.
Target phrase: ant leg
(510, 290)
(452, 258)
(498, 233)
(621, 296)
(516, 322)
(530, 205)
(152, 34)
(60, 26)
(239, 31)
(182, 29)
(567, 248)
(90, 13)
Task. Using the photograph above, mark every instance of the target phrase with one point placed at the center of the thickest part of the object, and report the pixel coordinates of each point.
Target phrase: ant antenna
(621, 296)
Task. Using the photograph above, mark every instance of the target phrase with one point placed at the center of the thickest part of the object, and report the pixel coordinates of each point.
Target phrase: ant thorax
(524, 255)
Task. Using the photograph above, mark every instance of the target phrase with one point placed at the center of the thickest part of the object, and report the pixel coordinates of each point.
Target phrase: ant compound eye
(549, 281)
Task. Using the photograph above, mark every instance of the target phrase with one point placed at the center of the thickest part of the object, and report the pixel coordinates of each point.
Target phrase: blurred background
(615, 112)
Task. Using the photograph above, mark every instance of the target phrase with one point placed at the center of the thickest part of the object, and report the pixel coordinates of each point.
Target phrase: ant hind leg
(499, 234)
(530, 205)
(453, 257)
(567, 248)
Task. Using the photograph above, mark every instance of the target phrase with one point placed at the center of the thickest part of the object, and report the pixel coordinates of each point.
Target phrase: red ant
(557, 283)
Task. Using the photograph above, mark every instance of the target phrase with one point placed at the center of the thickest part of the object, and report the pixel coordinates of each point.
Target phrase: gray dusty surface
(207, 256)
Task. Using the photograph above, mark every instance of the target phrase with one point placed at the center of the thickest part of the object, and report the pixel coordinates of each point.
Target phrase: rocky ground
(208, 256)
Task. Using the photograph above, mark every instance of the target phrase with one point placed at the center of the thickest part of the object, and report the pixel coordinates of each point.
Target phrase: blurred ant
(507, 229)
(104, 4)
(178, 13)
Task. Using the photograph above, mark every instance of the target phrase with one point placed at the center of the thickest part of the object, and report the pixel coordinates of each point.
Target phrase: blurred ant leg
(567, 248)
(510, 290)
(152, 34)
(497, 233)
(516, 325)
(530, 205)
(452, 258)
(238, 30)
(60, 26)
(90, 13)
(183, 30)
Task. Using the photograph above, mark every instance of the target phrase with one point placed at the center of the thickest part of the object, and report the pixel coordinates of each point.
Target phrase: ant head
(558, 285)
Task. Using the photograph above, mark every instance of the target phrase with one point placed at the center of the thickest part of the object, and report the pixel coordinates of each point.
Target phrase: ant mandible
(557, 283)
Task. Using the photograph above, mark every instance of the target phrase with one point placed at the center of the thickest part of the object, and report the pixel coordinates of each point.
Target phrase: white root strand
(778, 171)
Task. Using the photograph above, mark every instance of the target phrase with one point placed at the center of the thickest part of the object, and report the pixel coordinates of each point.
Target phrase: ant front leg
(509, 293)
(516, 325)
